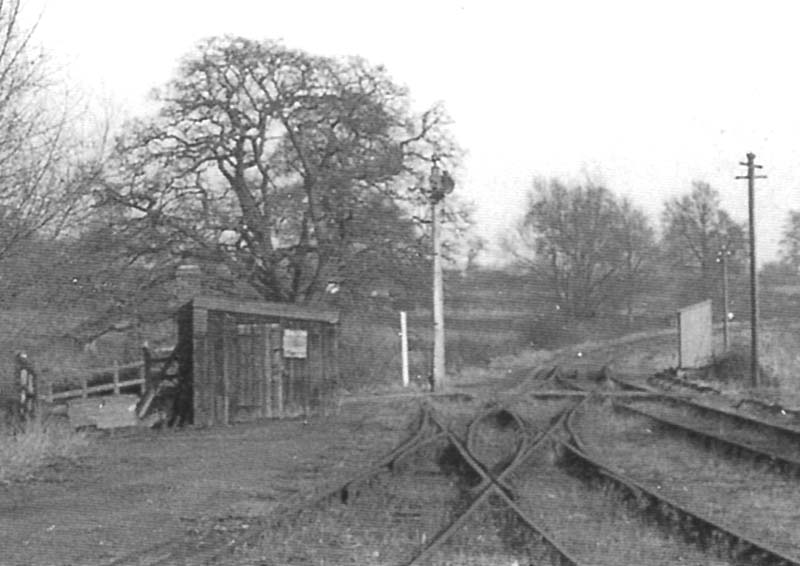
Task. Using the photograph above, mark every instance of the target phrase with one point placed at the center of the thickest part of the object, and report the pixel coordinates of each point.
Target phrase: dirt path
(131, 491)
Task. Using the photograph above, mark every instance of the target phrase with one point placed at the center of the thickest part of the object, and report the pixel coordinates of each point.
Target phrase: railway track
(187, 550)
(432, 429)
(779, 425)
(695, 525)
(768, 409)
(492, 484)
(495, 480)
(765, 447)
(766, 441)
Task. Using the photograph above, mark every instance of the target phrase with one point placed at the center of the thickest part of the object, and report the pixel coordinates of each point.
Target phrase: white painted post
(404, 346)
(116, 378)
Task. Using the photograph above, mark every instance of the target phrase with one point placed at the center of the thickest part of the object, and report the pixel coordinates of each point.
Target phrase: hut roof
(283, 310)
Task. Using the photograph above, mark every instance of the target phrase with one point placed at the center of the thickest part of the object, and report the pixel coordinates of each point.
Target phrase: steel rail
(413, 444)
(739, 417)
(169, 551)
(788, 432)
(759, 453)
(683, 399)
(784, 462)
(568, 388)
(687, 384)
(538, 375)
(492, 484)
(571, 386)
(574, 388)
(770, 407)
(793, 434)
(741, 545)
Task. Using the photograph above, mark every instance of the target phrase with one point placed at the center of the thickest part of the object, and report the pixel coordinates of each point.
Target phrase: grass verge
(595, 523)
(37, 445)
(737, 492)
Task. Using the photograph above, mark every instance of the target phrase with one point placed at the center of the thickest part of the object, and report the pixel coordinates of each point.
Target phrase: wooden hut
(247, 359)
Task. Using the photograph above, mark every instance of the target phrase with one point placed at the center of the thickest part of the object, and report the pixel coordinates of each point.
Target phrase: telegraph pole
(439, 373)
(441, 184)
(751, 177)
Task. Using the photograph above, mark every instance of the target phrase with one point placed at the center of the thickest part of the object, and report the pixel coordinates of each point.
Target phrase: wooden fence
(143, 369)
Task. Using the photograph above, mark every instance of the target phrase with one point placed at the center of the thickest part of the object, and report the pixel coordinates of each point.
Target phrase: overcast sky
(646, 96)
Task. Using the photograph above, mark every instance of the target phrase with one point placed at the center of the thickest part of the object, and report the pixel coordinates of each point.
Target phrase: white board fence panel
(695, 335)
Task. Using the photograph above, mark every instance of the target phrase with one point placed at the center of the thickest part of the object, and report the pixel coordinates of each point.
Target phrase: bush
(554, 331)
(778, 362)
(462, 352)
(731, 367)
(780, 357)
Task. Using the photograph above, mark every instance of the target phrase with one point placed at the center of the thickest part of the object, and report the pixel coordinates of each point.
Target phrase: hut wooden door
(256, 387)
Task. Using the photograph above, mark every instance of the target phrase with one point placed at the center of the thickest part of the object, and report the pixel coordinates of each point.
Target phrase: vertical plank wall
(238, 368)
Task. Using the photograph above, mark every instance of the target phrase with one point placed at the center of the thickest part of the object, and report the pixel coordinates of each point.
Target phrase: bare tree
(695, 228)
(790, 243)
(44, 170)
(636, 241)
(291, 170)
(581, 242)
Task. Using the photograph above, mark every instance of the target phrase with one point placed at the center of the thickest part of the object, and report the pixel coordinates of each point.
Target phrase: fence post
(26, 385)
(116, 378)
(85, 387)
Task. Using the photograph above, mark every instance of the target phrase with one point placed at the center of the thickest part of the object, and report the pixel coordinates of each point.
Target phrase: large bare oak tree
(288, 169)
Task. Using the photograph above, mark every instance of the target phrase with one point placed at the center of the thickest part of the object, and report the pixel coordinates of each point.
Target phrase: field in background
(489, 314)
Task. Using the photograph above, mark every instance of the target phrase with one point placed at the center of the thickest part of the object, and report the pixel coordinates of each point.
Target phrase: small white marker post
(404, 346)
